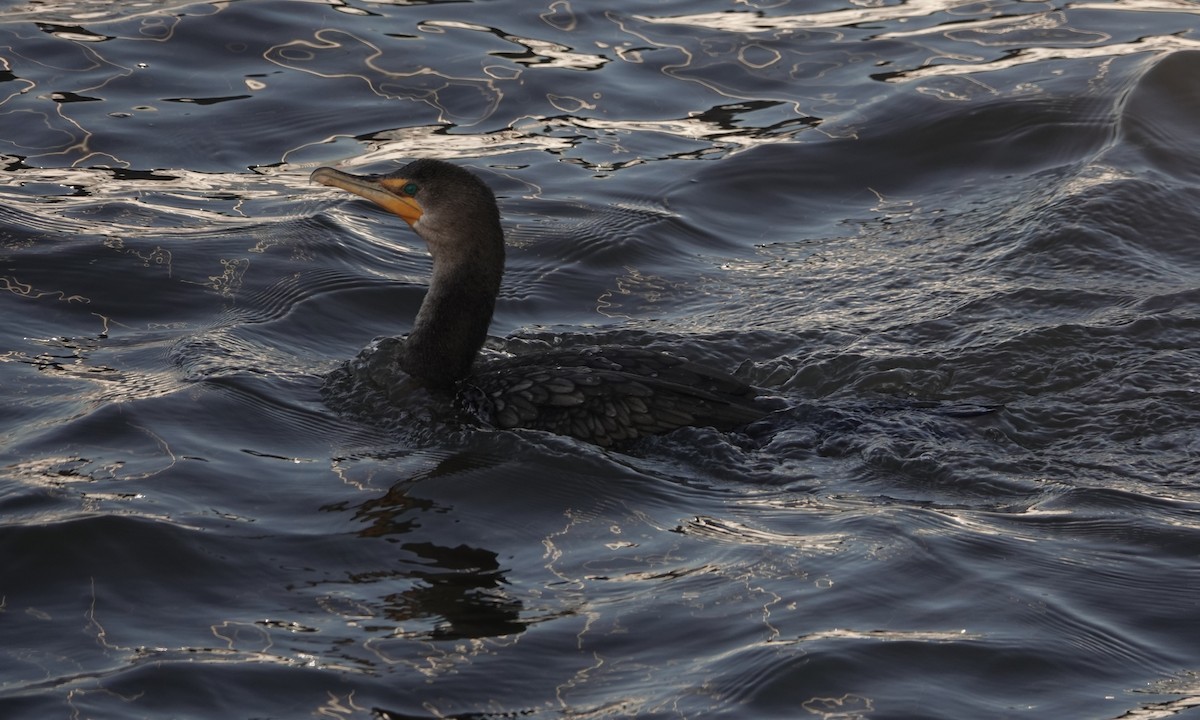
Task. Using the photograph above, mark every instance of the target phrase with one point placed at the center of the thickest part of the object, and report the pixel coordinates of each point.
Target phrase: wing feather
(608, 394)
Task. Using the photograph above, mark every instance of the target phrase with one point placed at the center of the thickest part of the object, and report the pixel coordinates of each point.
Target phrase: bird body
(602, 394)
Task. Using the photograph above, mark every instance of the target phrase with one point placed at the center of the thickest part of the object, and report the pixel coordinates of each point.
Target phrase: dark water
(958, 238)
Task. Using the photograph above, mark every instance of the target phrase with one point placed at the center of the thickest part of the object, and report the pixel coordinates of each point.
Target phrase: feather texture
(605, 395)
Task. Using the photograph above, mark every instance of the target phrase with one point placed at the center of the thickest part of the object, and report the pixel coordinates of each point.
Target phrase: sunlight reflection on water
(954, 238)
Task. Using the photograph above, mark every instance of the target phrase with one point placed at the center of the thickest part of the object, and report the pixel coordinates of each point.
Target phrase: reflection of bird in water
(600, 394)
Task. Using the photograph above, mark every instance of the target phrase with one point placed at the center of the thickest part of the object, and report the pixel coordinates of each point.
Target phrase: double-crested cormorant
(603, 394)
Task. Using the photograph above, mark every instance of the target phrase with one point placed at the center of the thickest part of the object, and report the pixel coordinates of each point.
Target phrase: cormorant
(602, 394)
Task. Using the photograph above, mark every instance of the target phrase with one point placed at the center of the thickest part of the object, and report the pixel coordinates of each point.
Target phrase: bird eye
(409, 189)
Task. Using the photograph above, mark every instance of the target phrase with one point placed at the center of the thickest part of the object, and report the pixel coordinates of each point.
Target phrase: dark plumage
(600, 394)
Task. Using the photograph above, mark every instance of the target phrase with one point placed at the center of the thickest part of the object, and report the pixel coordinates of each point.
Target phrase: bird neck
(453, 321)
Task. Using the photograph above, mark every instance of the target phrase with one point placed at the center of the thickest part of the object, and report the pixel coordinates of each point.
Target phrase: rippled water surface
(958, 239)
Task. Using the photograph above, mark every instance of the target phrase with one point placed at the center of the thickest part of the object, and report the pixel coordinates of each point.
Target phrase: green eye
(409, 189)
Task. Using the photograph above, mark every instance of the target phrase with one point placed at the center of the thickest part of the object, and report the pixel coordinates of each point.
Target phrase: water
(958, 239)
